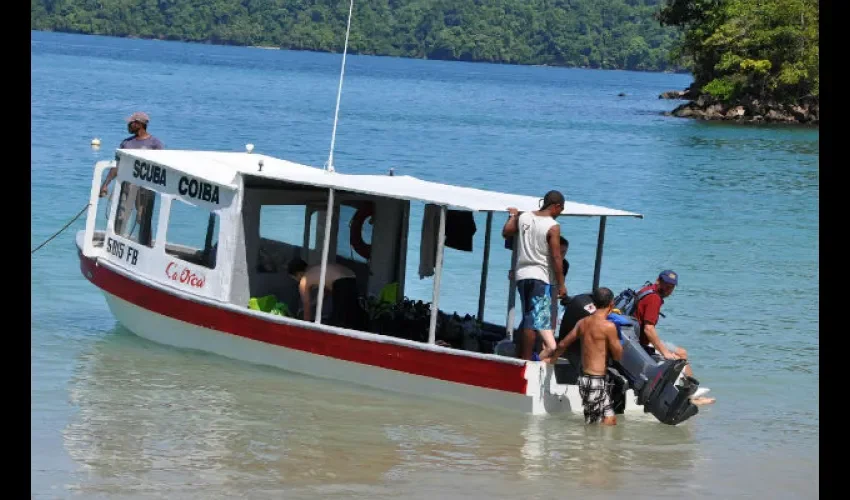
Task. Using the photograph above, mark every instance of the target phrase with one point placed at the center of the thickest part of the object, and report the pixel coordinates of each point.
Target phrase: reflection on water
(748, 164)
(791, 141)
(149, 417)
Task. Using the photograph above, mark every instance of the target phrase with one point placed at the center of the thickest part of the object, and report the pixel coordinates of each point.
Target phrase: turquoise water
(733, 210)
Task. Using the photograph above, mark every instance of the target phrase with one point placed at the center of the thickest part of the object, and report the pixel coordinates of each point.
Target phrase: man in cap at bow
(137, 124)
(135, 201)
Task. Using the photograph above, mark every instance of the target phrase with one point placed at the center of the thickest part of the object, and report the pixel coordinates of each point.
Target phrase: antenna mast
(330, 164)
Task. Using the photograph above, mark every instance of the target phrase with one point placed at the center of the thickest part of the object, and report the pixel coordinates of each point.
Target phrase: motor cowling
(654, 381)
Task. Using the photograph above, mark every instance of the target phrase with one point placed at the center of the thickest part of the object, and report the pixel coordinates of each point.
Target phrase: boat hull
(168, 331)
(153, 312)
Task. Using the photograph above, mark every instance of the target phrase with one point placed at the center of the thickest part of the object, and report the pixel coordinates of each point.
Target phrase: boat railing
(89, 249)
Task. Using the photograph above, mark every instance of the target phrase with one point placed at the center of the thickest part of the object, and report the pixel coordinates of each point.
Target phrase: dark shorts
(346, 311)
(536, 299)
(595, 398)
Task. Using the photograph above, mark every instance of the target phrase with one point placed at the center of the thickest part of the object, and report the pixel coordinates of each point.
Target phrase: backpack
(626, 302)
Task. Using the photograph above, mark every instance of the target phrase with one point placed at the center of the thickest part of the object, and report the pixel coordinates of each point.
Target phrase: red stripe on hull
(443, 366)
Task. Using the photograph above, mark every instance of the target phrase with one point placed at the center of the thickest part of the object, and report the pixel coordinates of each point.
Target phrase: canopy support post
(509, 327)
(438, 274)
(482, 292)
(326, 245)
(600, 242)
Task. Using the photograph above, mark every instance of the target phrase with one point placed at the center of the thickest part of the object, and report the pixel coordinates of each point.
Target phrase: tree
(596, 33)
(763, 48)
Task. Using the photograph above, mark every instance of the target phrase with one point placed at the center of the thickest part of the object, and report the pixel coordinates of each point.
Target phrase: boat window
(344, 242)
(313, 241)
(283, 223)
(137, 214)
(282, 235)
(192, 234)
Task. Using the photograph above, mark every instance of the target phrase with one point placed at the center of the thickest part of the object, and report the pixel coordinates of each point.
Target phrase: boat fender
(356, 233)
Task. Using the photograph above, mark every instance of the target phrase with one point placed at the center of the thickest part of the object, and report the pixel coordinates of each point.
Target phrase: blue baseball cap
(669, 277)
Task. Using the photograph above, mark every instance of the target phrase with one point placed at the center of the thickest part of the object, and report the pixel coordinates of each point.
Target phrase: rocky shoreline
(744, 110)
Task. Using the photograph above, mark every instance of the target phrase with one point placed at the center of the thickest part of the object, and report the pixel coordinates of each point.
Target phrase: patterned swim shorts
(536, 300)
(594, 396)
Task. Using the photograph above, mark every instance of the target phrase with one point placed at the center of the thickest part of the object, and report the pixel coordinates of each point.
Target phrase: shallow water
(734, 210)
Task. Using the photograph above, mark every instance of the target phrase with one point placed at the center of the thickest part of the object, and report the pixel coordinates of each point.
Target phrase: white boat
(198, 297)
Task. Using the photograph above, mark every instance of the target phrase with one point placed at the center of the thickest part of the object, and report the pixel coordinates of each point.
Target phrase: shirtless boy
(599, 339)
(340, 281)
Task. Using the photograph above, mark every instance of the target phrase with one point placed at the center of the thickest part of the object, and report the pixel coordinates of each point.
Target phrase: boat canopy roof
(223, 168)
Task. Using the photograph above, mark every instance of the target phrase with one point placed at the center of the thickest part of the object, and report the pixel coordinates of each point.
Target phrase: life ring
(356, 233)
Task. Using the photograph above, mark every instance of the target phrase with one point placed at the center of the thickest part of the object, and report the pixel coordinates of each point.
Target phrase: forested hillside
(622, 34)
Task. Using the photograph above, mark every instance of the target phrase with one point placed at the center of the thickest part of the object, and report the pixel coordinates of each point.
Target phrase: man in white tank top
(537, 243)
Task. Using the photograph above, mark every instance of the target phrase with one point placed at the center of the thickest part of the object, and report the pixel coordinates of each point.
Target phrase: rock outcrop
(745, 110)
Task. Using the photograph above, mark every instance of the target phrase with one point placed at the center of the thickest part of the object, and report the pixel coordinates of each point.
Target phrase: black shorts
(346, 311)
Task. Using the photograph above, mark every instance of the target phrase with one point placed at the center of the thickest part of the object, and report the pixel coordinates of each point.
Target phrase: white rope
(330, 165)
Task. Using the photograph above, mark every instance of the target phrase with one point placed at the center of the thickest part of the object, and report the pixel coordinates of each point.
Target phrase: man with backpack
(649, 300)
(647, 310)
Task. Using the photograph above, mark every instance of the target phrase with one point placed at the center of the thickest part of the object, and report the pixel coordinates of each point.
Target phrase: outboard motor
(653, 382)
